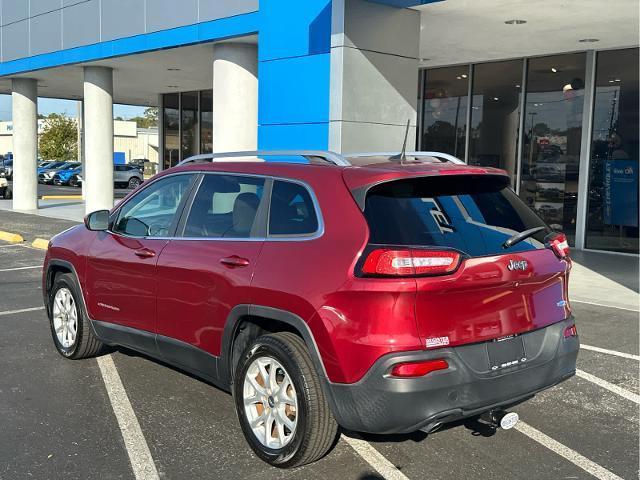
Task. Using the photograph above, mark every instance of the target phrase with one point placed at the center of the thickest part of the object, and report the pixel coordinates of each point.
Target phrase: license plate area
(506, 352)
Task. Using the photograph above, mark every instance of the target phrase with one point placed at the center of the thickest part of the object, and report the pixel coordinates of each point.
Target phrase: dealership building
(546, 90)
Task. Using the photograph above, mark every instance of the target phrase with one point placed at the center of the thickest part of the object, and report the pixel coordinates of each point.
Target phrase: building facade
(546, 90)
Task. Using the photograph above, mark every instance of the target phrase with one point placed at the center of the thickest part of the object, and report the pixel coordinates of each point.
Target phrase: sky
(68, 107)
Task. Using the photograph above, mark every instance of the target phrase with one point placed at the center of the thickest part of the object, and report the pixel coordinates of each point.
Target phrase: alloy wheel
(270, 402)
(65, 317)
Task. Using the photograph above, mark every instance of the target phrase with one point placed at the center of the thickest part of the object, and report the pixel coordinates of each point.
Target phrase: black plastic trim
(380, 403)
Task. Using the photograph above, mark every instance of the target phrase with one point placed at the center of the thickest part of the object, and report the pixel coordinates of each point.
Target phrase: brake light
(571, 331)
(418, 369)
(559, 245)
(404, 262)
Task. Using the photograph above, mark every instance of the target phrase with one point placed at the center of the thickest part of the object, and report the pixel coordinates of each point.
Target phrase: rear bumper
(379, 403)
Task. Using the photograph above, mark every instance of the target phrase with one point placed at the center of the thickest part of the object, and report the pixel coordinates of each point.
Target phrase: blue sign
(620, 193)
(119, 158)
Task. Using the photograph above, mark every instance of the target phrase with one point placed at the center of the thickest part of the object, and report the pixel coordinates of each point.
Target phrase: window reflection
(552, 138)
(190, 142)
(171, 119)
(206, 121)
(444, 110)
(612, 215)
(495, 115)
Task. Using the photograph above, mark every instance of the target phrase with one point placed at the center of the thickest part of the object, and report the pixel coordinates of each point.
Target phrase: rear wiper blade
(518, 237)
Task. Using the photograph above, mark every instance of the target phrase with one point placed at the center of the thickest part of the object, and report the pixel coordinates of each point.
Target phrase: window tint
(226, 206)
(292, 211)
(152, 212)
(474, 214)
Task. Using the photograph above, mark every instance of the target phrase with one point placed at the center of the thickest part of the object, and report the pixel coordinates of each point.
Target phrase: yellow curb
(41, 243)
(11, 237)
(61, 197)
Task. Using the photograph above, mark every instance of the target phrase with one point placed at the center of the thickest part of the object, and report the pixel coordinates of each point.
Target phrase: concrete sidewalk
(599, 278)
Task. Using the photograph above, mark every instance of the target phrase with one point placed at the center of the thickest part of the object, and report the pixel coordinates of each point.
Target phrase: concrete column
(374, 76)
(235, 97)
(25, 143)
(98, 131)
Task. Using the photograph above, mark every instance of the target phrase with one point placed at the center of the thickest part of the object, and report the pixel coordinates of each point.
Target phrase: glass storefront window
(495, 115)
(171, 127)
(189, 115)
(206, 121)
(612, 212)
(552, 138)
(444, 110)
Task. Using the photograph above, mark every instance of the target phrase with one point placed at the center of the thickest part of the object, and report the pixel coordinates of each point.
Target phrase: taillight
(571, 331)
(418, 369)
(405, 262)
(559, 245)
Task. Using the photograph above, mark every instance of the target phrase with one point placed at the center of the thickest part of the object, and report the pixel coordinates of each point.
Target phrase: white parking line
(608, 306)
(374, 458)
(610, 352)
(138, 451)
(20, 268)
(564, 451)
(12, 245)
(609, 386)
(22, 310)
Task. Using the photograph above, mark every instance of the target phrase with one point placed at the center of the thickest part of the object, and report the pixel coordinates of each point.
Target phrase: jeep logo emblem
(517, 265)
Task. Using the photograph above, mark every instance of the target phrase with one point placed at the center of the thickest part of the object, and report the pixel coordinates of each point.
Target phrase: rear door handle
(234, 261)
(145, 253)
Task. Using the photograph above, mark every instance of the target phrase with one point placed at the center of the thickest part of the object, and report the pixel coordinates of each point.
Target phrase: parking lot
(127, 416)
(55, 190)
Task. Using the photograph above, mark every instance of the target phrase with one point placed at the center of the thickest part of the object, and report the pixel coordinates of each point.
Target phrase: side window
(226, 206)
(152, 212)
(292, 211)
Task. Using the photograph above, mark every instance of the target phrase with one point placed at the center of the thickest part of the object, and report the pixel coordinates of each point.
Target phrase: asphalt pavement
(61, 419)
(46, 190)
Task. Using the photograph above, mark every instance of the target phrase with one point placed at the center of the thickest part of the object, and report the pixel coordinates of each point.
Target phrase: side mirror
(97, 221)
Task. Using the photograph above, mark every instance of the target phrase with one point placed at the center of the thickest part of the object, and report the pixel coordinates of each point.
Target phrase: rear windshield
(475, 214)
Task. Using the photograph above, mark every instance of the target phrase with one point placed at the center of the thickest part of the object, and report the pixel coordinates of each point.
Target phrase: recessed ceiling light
(554, 69)
(610, 81)
(464, 75)
(515, 22)
(459, 77)
(496, 99)
(517, 86)
(589, 40)
(617, 80)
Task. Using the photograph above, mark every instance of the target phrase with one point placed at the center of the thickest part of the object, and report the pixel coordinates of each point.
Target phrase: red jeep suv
(385, 294)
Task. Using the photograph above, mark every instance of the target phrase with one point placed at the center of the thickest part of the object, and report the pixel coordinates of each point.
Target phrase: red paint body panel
(196, 292)
(485, 300)
(121, 287)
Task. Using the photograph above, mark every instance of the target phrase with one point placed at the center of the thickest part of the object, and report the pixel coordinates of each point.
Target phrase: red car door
(207, 271)
(121, 276)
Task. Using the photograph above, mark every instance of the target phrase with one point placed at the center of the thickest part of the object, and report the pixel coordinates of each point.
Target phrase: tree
(149, 118)
(59, 138)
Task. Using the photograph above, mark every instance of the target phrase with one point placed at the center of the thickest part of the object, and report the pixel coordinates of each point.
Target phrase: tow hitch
(501, 418)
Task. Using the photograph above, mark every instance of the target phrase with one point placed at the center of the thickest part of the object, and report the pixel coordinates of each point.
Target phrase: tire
(134, 182)
(314, 427)
(8, 193)
(85, 344)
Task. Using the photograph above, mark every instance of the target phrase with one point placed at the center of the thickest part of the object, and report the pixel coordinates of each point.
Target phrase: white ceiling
(137, 79)
(465, 31)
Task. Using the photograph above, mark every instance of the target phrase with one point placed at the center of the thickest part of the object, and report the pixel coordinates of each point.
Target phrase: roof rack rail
(311, 155)
(445, 157)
